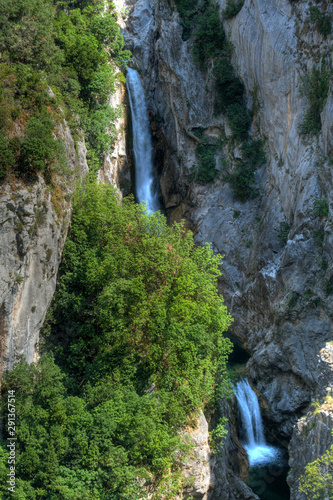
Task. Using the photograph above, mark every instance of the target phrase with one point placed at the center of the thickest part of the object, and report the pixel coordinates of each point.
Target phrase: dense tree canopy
(137, 335)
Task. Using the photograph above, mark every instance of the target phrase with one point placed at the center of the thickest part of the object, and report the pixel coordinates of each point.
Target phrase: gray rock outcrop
(34, 220)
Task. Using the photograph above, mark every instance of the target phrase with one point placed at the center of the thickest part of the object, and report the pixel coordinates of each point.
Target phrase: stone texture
(33, 228)
(116, 169)
(197, 469)
(311, 438)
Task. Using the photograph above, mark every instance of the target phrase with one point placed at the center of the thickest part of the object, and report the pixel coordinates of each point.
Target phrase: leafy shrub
(232, 8)
(207, 172)
(320, 207)
(107, 32)
(253, 152)
(122, 288)
(27, 32)
(209, 36)
(242, 179)
(7, 85)
(188, 12)
(39, 149)
(316, 482)
(7, 159)
(229, 89)
(63, 49)
(321, 20)
(137, 327)
(315, 87)
(283, 232)
(239, 120)
(319, 236)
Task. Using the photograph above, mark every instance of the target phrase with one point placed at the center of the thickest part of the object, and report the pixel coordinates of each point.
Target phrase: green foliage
(242, 178)
(7, 84)
(315, 87)
(239, 120)
(6, 156)
(283, 232)
(39, 149)
(107, 32)
(188, 12)
(317, 482)
(69, 446)
(207, 172)
(137, 328)
(321, 20)
(27, 32)
(100, 130)
(319, 235)
(71, 51)
(209, 36)
(210, 43)
(320, 207)
(134, 274)
(218, 434)
(229, 89)
(232, 8)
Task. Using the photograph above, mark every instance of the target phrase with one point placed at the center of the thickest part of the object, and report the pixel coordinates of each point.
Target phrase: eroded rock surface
(34, 220)
(278, 267)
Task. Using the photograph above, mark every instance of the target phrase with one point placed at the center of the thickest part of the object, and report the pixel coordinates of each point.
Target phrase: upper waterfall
(258, 450)
(142, 143)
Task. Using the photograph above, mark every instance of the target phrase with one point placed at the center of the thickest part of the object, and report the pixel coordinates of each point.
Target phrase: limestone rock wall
(34, 220)
(311, 438)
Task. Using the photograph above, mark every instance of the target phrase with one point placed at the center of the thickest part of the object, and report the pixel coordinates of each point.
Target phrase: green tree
(317, 481)
(209, 36)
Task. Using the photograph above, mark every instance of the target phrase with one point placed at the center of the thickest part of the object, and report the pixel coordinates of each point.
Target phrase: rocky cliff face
(278, 266)
(116, 165)
(312, 434)
(34, 223)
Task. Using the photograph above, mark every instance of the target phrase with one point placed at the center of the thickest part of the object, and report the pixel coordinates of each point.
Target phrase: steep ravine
(277, 288)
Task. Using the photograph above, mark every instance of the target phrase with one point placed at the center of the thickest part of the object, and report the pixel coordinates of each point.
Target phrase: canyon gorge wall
(34, 223)
(279, 290)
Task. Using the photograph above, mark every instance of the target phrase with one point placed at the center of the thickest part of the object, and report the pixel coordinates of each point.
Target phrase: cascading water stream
(142, 143)
(258, 450)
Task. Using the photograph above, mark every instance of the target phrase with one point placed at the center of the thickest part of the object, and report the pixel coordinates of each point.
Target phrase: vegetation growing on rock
(232, 8)
(55, 63)
(210, 45)
(315, 88)
(136, 331)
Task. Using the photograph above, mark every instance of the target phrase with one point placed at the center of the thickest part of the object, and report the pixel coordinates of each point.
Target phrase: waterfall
(142, 143)
(258, 450)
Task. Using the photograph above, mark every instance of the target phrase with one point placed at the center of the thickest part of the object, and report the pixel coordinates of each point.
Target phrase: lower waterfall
(142, 143)
(259, 452)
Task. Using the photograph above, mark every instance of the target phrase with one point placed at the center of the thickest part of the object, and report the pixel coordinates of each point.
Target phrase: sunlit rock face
(33, 229)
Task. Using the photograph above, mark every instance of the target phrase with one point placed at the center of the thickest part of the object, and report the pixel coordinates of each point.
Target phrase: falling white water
(142, 144)
(258, 450)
